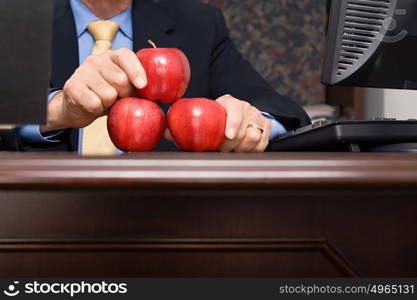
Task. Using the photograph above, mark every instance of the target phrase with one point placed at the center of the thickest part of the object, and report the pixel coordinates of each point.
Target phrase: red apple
(135, 125)
(197, 124)
(168, 73)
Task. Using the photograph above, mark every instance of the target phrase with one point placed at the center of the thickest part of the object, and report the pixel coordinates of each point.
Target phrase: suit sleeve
(231, 74)
(31, 139)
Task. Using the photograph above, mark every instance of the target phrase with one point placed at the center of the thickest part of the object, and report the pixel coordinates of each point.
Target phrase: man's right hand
(93, 88)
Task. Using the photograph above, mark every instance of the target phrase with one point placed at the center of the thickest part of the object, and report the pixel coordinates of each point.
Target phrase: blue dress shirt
(123, 39)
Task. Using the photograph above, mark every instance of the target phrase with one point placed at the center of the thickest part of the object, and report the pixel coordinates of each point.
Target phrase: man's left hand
(247, 130)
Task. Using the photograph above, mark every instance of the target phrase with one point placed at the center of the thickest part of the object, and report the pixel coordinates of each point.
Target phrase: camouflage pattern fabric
(284, 40)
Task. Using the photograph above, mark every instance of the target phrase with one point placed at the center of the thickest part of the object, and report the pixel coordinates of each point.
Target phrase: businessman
(94, 65)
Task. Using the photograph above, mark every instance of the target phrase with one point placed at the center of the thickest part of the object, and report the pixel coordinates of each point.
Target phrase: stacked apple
(137, 125)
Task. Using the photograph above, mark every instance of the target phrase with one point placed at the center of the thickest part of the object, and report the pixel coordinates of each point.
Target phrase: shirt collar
(83, 16)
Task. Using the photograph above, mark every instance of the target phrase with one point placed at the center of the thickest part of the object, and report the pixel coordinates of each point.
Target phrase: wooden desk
(273, 214)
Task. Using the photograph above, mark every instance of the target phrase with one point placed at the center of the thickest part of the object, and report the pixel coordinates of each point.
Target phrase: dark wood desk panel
(272, 214)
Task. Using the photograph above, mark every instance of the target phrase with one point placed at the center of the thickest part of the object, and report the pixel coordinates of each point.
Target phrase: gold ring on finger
(255, 126)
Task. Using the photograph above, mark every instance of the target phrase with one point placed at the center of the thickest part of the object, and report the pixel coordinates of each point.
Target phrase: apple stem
(152, 43)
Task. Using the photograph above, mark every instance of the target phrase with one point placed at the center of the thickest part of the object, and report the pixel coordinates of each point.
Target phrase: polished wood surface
(186, 214)
(303, 170)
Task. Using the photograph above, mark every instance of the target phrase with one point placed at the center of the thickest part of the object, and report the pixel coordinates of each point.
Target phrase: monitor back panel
(25, 34)
(372, 44)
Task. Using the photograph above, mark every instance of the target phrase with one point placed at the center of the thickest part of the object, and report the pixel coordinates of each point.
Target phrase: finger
(262, 146)
(230, 145)
(109, 70)
(234, 111)
(105, 92)
(79, 95)
(118, 79)
(247, 113)
(252, 136)
(251, 116)
(250, 142)
(130, 64)
(265, 137)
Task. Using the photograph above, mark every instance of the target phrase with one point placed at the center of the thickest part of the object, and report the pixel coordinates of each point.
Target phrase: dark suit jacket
(200, 31)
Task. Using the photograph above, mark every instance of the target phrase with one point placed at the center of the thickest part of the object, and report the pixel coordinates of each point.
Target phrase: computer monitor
(372, 43)
(25, 51)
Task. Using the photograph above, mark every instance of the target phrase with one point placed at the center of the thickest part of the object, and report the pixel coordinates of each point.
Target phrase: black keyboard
(384, 135)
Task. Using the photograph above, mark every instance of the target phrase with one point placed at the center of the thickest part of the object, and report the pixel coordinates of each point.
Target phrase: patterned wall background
(284, 40)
